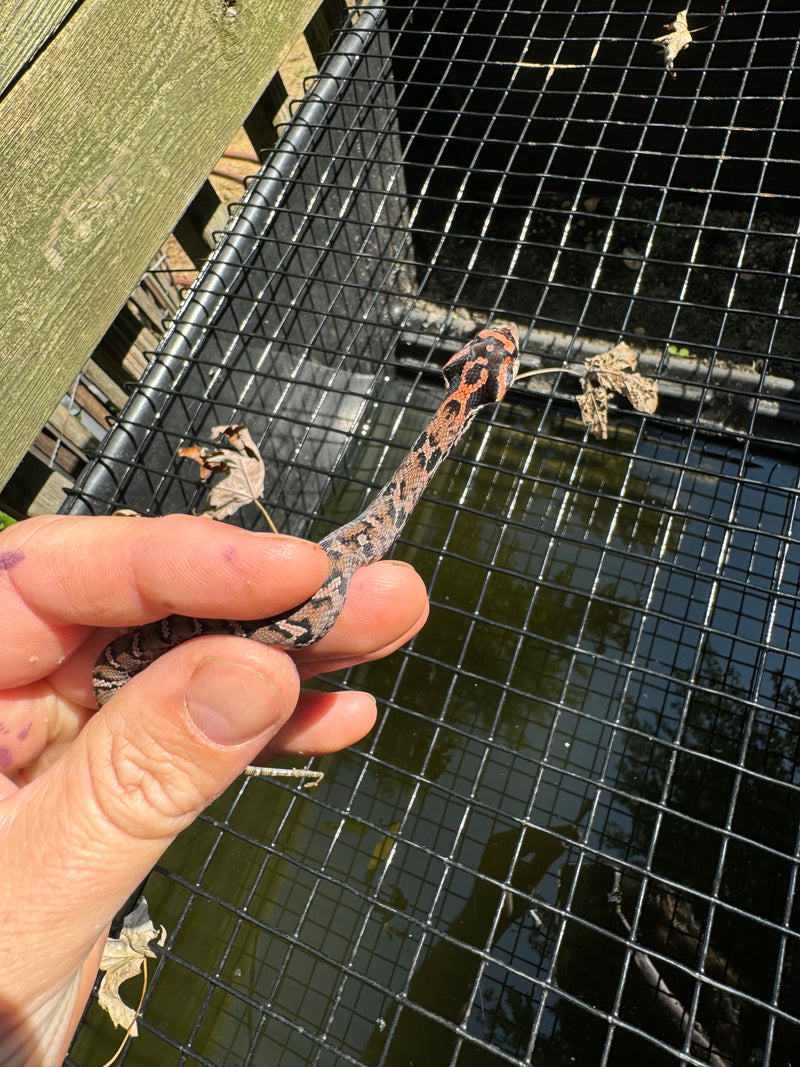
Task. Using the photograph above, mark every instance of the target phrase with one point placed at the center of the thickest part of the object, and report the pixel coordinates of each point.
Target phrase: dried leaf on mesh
(123, 958)
(641, 392)
(676, 40)
(241, 466)
(609, 368)
(614, 371)
(593, 403)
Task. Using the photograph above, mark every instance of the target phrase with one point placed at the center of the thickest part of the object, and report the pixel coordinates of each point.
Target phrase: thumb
(83, 834)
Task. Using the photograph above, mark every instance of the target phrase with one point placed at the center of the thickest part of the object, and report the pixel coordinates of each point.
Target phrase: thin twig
(286, 772)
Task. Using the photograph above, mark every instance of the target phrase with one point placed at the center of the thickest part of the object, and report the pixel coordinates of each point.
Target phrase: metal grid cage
(573, 835)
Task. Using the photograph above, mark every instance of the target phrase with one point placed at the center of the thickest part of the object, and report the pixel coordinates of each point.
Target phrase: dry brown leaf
(205, 457)
(609, 367)
(676, 40)
(593, 403)
(641, 392)
(614, 371)
(241, 466)
(122, 959)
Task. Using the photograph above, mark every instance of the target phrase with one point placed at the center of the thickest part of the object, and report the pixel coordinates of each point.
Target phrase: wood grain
(107, 137)
(25, 28)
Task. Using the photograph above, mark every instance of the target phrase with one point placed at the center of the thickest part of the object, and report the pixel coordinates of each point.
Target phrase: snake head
(483, 370)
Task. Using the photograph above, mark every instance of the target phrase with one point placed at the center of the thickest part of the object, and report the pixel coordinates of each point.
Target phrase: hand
(89, 800)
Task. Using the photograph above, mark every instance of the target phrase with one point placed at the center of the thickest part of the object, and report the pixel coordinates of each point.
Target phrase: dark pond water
(595, 729)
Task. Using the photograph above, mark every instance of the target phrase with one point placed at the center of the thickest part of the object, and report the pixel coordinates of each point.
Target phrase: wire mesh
(573, 835)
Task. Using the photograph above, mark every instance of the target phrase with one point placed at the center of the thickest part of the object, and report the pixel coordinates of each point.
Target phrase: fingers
(123, 571)
(60, 574)
(322, 723)
(125, 781)
(77, 839)
(61, 568)
(35, 726)
(387, 603)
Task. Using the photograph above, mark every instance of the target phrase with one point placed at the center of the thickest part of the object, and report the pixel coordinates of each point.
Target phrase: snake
(478, 375)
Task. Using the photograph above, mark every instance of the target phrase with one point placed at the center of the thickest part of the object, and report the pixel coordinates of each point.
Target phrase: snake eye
(511, 370)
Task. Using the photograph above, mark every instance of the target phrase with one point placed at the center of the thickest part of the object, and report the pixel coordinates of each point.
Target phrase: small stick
(286, 772)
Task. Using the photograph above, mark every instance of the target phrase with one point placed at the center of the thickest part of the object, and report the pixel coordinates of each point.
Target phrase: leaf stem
(127, 1035)
(549, 370)
(265, 513)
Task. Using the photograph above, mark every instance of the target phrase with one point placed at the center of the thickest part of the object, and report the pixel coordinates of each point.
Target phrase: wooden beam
(108, 135)
(25, 28)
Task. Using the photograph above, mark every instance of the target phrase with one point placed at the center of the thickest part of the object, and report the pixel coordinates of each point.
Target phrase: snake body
(476, 376)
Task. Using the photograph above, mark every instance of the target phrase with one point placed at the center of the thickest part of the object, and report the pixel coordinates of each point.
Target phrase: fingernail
(279, 537)
(290, 546)
(284, 539)
(231, 704)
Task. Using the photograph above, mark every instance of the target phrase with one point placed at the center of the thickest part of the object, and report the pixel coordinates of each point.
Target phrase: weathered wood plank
(105, 384)
(107, 137)
(66, 427)
(25, 27)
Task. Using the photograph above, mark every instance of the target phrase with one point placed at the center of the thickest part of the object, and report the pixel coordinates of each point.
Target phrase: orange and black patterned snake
(475, 377)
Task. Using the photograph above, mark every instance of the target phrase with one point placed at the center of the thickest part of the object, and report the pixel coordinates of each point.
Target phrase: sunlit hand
(89, 800)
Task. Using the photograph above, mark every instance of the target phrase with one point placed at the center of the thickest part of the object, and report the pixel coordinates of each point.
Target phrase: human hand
(90, 799)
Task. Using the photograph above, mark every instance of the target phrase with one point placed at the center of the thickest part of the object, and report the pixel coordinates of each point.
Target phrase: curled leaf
(593, 403)
(122, 959)
(610, 366)
(206, 457)
(676, 40)
(641, 392)
(241, 466)
(614, 371)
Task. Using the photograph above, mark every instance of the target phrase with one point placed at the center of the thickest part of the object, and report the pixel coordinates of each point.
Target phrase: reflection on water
(593, 741)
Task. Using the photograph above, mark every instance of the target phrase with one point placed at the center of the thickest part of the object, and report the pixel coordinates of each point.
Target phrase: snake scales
(476, 376)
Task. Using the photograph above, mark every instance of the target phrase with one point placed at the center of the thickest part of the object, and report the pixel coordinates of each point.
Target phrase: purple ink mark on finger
(23, 733)
(9, 559)
(4, 729)
(229, 553)
(6, 756)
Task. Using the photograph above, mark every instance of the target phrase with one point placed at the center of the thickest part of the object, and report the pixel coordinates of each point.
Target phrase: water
(607, 686)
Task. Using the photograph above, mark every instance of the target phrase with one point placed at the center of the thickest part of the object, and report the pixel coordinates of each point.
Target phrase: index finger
(60, 574)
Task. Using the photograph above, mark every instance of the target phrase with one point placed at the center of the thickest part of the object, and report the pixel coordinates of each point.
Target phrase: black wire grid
(573, 835)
